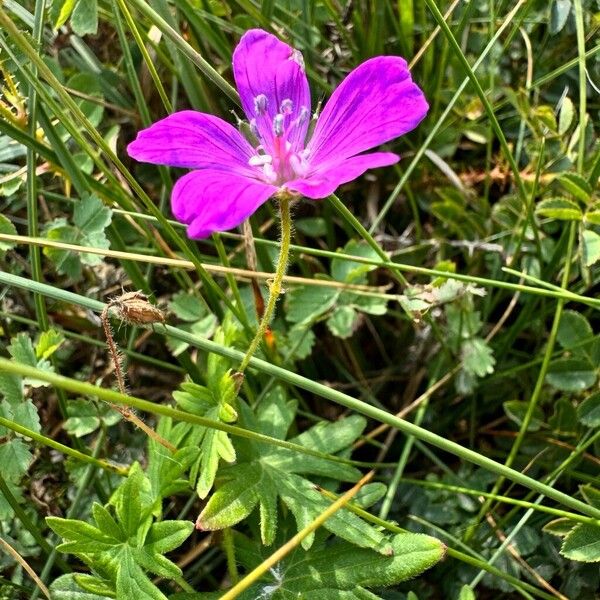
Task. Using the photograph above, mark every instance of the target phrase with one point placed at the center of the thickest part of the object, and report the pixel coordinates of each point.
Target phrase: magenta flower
(232, 178)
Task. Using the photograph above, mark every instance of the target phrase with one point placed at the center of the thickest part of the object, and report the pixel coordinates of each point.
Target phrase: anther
(278, 124)
(259, 160)
(297, 57)
(303, 116)
(254, 128)
(260, 104)
(286, 106)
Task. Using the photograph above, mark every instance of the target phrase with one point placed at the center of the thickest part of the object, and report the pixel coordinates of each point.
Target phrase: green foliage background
(439, 325)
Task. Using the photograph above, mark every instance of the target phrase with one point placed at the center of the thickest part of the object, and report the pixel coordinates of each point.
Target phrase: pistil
(280, 156)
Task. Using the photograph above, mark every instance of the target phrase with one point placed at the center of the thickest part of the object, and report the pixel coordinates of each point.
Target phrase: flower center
(280, 155)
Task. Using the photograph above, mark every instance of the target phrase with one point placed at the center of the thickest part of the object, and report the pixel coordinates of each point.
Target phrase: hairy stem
(126, 412)
(229, 547)
(275, 286)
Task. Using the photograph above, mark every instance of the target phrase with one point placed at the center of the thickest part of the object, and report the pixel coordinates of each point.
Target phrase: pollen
(260, 104)
(287, 107)
(278, 129)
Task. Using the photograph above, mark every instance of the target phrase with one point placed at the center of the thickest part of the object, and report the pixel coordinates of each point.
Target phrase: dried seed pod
(134, 308)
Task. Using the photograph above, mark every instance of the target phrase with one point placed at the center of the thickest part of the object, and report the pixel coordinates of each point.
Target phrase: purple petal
(193, 140)
(209, 200)
(266, 68)
(322, 183)
(376, 103)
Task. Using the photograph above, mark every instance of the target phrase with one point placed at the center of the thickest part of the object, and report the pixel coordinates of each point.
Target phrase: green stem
(582, 84)
(46, 441)
(509, 19)
(113, 397)
(275, 287)
(437, 15)
(229, 547)
(32, 202)
(535, 396)
(556, 512)
(390, 495)
(87, 389)
(313, 387)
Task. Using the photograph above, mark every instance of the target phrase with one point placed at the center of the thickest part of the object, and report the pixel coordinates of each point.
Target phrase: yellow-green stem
(275, 286)
(229, 547)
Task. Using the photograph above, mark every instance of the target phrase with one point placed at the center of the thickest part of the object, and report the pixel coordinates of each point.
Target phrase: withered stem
(126, 413)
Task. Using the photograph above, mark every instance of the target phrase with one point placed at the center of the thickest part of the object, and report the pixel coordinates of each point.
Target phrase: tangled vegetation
(389, 390)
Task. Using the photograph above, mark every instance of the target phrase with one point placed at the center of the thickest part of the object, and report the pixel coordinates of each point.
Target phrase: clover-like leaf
(477, 357)
(517, 409)
(561, 209)
(559, 527)
(588, 412)
(84, 18)
(85, 416)
(342, 321)
(582, 543)
(591, 495)
(306, 304)
(571, 374)
(8, 228)
(15, 458)
(564, 419)
(90, 220)
(590, 246)
(577, 186)
(350, 271)
(574, 331)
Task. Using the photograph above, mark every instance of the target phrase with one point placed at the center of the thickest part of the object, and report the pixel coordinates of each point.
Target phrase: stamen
(299, 165)
(287, 106)
(297, 57)
(260, 160)
(254, 128)
(270, 173)
(278, 124)
(260, 104)
(303, 116)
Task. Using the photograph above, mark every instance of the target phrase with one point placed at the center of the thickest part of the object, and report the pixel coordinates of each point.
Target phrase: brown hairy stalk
(132, 308)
